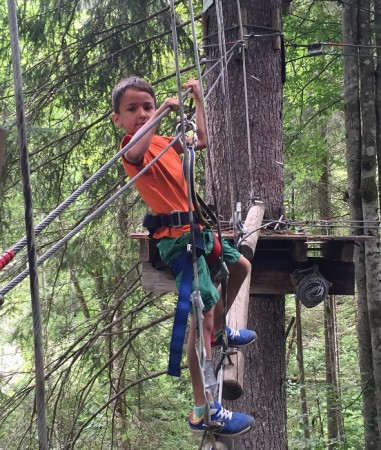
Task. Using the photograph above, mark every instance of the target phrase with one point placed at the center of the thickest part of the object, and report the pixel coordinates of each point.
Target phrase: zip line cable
(30, 234)
(8, 256)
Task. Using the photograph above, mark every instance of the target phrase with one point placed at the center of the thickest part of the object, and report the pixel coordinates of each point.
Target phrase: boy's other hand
(195, 86)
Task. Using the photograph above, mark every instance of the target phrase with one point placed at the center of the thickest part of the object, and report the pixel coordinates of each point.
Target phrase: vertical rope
(196, 298)
(244, 50)
(224, 279)
(29, 224)
(236, 212)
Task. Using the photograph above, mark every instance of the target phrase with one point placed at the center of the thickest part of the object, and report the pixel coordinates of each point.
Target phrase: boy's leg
(237, 275)
(193, 363)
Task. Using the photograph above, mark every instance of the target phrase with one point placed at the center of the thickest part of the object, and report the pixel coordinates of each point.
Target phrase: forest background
(102, 333)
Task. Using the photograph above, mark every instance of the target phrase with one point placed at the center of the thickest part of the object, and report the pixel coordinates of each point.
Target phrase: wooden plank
(281, 236)
(252, 224)
(160, 281)
(268, 277)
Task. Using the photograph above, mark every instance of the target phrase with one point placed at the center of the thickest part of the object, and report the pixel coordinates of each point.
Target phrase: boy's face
(135, 108)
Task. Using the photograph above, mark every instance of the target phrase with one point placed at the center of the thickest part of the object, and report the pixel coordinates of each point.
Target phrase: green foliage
(104, 335)
(316, 387)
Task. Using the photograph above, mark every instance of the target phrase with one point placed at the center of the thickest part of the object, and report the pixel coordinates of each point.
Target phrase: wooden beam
(252, 225)
(237, 319)
(268, 276)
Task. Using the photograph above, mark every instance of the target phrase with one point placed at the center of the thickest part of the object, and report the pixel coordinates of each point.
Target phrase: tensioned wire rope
(92, 216)
(40, 404)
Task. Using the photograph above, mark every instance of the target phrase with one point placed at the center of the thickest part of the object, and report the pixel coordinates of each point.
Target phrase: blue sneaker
(226, 423)
(236, 338)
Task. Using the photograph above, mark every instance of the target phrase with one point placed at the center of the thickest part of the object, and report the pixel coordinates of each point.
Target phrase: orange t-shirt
(163, 186)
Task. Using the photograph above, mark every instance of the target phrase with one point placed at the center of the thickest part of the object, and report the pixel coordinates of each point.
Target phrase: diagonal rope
(79, 227)
(30, 237)
(65, 204)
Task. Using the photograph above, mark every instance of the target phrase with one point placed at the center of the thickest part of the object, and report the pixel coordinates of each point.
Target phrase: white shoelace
(234, 333)
(225, 414)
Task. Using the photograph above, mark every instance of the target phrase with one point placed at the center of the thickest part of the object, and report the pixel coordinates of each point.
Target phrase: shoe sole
(234, 346)
(216, 433)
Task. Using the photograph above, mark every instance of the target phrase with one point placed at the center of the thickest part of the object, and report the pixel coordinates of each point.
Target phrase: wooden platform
(277, 256)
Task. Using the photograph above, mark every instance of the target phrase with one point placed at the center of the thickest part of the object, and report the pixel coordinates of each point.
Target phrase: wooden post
(237, 317)
(252, 223)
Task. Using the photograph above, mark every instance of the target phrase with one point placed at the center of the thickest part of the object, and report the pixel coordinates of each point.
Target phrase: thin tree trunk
(334, 416)
(302, 378)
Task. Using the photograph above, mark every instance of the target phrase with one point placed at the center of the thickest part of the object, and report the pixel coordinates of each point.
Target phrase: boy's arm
(136, 153)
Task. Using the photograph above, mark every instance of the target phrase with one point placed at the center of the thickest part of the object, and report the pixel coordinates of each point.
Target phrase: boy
(163, 188)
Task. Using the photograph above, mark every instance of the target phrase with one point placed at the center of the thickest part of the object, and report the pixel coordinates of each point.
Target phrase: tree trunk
(257, 174)
(353, 156)
(334, 416)
(369, 195)
(377, 20)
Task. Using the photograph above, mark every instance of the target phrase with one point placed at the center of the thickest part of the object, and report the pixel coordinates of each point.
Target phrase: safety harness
(183, 263)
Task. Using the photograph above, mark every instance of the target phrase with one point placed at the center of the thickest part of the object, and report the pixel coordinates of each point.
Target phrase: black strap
(174, 219)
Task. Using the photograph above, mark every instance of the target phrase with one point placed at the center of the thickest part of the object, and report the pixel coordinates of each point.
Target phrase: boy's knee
(241, 268)
(208, 320)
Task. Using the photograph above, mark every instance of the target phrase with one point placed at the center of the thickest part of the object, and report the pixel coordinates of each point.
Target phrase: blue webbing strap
(183, 263)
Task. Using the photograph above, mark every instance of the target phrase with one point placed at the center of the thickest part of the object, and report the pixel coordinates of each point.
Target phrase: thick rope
(65, 204)
(30, 234)
(78, 228)
(8, 256)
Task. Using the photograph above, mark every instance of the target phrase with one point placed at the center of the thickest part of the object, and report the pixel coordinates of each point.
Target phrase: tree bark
(353, 157)
(257, 174)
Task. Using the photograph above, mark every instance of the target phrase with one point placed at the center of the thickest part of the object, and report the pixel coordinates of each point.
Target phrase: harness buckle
(175, 219)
